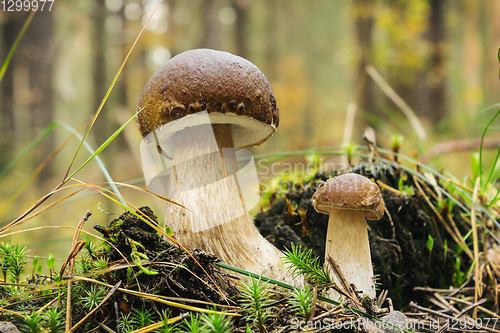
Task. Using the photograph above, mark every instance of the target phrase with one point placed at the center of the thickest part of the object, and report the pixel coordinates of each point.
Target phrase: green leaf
(445, 246)
(458, 263)
(430, 243)
(51, 261)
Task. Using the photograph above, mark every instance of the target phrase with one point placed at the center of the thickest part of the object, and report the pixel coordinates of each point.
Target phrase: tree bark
(99, 70)
(363, 17)
(211, 29)
(241, 9)
(9, 32)
(271, 40)
(435, 79)
(40, 55)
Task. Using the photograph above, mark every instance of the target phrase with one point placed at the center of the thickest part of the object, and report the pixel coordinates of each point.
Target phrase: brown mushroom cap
(349, 191)
(231, 89)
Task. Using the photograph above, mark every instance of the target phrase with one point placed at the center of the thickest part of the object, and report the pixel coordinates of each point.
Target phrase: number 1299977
(26, 5)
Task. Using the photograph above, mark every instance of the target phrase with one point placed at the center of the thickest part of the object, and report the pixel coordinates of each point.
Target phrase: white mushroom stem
(347, 243)
(204, 180)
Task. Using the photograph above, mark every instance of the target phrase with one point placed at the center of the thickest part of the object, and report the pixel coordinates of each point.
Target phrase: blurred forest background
(440, 56)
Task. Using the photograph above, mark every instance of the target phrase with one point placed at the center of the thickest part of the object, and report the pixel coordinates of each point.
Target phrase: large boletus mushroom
(201, 105)
(350, 199)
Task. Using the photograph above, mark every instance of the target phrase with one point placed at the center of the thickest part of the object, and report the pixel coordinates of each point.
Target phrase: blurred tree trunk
(122, 82)
(491, 62)
(173, 28)
(363, 18)
(39, 56)
(435, 78)
(9, 32)
(211, 29)
(241, 9)
(99, 70)
(271, 39)
(123, 112)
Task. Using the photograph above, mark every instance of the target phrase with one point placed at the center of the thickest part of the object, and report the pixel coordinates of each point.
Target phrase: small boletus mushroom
(238, 101)
(350, 199)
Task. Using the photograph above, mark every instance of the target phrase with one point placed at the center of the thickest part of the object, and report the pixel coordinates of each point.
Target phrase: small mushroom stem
(347, 243)
(204, 180)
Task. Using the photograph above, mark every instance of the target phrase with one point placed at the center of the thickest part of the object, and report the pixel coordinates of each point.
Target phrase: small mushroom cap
(230, 88)
(349, 191)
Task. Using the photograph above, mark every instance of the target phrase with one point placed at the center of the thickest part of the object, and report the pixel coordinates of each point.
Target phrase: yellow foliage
(293, 94)
(399, 37)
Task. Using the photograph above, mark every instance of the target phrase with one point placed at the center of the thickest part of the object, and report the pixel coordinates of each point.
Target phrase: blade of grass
(105, 98)
(476, 247)
(101, 165)
(64, 281)
(70, 263)
(495, 199)
(25, 217)
(111, 292)
(443, 191)
(412, 161)
(156, 326)
(290, 287)
(481, 154)
(102, 146)
(133, 211)
(34, 174)
(488, 108)
(167, 233)
(325, 151)
(16, 43)
(412, 117)
(155, 298)
(65, 180)
(446, 180)
(129, 184)
(456, 237)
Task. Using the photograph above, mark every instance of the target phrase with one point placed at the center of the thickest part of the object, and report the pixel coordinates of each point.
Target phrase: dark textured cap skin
(205, 79)
(349, 191)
